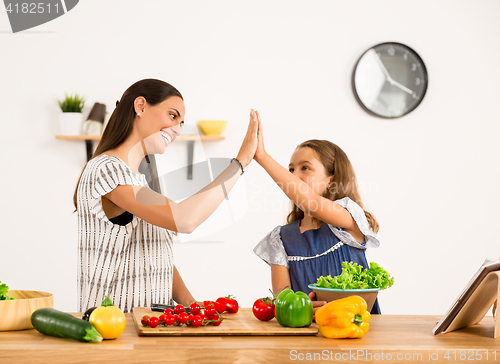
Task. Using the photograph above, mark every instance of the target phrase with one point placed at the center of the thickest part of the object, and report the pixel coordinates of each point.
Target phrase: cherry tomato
(168, 310)
(183, 317)
(144, 320)
(178, 309)
(162, 318)
(196, 321)
(209, 310)
(217, 320)
(263, 309)
(194, 308)
(153, 321)
(170, 319)
(220, 307)
(176, 320)
(231, 304)
(204, 319)
(188, 323)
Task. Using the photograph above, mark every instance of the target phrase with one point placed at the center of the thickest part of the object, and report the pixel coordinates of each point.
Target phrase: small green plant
(72, 103)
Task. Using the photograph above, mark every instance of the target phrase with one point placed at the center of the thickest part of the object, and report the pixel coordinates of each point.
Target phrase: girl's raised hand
(249, 144)
(260, 138)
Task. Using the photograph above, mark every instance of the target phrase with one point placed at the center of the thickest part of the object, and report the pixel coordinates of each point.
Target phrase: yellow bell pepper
(343, 318)
(108, 320)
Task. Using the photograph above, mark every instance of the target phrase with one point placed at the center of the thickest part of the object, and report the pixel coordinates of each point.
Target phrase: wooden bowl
(212, 127)
(16, 314)
(330, 294)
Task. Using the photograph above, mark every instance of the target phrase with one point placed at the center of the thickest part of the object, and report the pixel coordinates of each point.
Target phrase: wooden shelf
(89, 139)
(180, 138)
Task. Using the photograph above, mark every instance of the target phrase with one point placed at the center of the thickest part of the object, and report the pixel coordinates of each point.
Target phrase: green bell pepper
(293, 309)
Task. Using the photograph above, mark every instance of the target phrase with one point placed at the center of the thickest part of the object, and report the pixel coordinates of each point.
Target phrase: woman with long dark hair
(124, 227)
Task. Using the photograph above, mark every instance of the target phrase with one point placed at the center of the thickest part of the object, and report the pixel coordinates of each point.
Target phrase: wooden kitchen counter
(394, 338)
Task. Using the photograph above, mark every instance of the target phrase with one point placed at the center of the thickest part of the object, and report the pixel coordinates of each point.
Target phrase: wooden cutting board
(241, 323)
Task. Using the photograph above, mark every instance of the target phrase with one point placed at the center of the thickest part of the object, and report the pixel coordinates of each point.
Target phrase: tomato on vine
(170, 319)
(162, 318)
(183, 318)
(194, 308)
(178, 309)
(209, 311)
(196, 321)
(144, 320)
(263, 308)
(153, 321)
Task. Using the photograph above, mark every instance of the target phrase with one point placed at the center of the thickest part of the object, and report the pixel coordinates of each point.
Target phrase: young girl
(327, 224)
(125, 244)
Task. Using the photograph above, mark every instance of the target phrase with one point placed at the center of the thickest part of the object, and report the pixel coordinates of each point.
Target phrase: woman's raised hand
(249, 144)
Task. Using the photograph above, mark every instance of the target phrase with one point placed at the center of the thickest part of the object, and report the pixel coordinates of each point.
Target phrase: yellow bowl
(212, 127)
(16, 314)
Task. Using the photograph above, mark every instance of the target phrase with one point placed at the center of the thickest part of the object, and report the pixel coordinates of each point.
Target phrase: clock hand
(394, 83)
(388, 76)
(382, 67)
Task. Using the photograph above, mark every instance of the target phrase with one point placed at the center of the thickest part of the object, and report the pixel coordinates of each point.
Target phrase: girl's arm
(187, 215)
(180, 293)
(302, 195)
(280, 278)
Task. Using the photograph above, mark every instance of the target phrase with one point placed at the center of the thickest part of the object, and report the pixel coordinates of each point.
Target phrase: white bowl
(331, 294)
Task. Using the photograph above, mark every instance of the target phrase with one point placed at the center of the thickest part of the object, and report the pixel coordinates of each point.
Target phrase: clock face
(390, 80)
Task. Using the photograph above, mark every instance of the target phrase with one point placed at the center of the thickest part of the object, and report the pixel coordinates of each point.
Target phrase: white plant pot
(70, 123)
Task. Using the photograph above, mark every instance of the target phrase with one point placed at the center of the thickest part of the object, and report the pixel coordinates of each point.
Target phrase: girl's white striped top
(132, 264)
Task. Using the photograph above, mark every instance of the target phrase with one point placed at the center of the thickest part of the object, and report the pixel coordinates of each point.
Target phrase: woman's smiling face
(305, 164)
(160, 124)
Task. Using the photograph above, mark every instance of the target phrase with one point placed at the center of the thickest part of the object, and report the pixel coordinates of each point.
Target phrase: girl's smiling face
(305, 164)
(160, 124)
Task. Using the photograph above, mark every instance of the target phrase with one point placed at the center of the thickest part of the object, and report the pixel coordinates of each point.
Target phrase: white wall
(429, 177)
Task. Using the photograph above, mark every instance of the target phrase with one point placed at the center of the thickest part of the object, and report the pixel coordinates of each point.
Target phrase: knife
(161, 307)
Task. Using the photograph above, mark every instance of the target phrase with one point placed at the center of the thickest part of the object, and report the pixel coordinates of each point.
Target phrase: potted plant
(70, 120)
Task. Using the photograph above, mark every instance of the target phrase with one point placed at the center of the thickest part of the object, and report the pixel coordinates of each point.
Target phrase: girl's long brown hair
(121, 122)
(343, 184)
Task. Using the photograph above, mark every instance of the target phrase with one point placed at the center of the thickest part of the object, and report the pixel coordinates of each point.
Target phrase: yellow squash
(343, 318)
(108, 320)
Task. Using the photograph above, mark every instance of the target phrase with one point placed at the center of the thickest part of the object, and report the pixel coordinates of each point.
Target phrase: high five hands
(252, 146)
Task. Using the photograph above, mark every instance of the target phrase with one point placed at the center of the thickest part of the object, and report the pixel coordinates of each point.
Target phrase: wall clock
(390, 80)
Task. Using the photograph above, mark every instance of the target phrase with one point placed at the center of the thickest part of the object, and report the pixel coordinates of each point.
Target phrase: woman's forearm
(180, 293)
(182, 217)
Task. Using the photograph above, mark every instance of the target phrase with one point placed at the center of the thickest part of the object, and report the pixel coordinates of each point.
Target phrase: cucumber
(56, 323)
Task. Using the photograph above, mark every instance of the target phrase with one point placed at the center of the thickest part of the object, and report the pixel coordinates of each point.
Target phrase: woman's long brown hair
(343, 183)
(121, 122)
